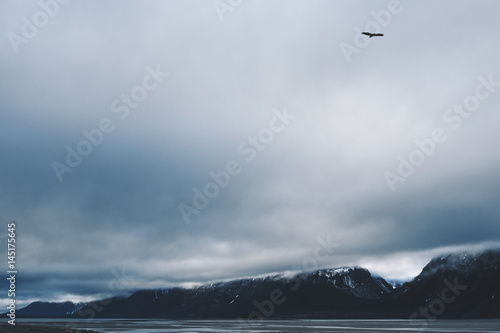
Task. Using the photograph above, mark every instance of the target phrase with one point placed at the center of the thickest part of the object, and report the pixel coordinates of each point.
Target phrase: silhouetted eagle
(371, 34)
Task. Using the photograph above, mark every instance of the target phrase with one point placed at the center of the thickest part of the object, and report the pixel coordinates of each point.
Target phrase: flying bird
(371, 34)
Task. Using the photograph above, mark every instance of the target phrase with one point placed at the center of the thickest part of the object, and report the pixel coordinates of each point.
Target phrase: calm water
(226, 326)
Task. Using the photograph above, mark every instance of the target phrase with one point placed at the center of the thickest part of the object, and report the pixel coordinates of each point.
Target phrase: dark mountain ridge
(455, 286)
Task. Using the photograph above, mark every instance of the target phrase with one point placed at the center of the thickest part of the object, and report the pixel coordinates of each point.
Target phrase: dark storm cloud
(319, 179)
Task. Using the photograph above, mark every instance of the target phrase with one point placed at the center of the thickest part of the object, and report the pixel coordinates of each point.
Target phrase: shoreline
(26, 328)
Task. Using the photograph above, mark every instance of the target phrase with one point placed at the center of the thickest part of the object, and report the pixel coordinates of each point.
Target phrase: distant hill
(455, 286)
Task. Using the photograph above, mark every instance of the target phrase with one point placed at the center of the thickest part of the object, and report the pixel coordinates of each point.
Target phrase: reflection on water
(226, 326)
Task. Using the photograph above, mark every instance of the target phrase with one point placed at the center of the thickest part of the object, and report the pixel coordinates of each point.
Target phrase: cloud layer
(321, 174)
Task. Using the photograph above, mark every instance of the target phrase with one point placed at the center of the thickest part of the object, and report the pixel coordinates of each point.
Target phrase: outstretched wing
(371, 34)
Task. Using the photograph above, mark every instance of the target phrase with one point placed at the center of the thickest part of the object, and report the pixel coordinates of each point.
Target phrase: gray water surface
(227, 326)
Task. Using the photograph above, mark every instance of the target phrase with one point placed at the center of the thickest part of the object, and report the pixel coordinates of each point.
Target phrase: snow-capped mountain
(355, 281)
(454, 286)
(457, 285)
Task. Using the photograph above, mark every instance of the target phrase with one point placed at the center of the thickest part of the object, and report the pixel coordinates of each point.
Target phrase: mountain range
(461, 285)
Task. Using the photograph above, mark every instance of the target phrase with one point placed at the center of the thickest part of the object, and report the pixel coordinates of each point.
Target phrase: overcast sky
(328, 148)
